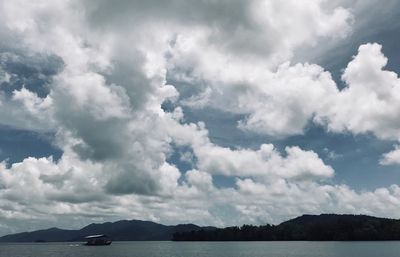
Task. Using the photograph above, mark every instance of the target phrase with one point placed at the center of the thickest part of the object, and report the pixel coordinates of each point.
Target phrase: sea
(205, 249)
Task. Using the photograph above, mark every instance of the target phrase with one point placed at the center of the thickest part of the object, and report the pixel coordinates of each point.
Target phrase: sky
(210, 112)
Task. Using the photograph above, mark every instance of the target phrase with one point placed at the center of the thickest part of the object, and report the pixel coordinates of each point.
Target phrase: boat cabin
(98, 240)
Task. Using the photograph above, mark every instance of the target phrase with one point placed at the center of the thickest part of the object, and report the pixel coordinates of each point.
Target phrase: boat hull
(99, 243)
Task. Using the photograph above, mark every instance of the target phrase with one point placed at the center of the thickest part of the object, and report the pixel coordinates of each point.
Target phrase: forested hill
(324, 227)
(123, 230)
(307, 227)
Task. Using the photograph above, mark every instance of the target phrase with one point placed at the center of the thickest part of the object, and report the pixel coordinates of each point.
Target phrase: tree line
(325, 227)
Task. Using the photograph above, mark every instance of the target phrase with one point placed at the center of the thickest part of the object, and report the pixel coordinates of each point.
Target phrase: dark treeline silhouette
(324, 227)
(123, 230)
(307, 227)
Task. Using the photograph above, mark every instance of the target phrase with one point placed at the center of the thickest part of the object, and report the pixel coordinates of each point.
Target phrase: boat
(98, 240)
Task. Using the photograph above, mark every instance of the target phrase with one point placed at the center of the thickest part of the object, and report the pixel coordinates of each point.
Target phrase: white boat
(98, 240)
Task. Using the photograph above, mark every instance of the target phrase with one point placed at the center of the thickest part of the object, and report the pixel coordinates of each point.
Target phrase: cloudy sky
(210, 112)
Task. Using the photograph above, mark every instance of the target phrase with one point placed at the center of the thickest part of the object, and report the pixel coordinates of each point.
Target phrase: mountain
(51, 235)
(341, 227)
(324, 227)
(124, 230)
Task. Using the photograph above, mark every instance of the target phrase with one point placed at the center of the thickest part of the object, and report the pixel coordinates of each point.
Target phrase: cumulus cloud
(277, 103)
(370, 101)
(265, 162)
(283, 102)
(25, 110)
(104, 96)
(36, 189)
(276, 97)
(314, 198)
(102, 101)
(392, 157)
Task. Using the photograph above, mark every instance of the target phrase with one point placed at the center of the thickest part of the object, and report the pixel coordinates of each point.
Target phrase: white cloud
(283, 102)
(105, 99)
(277, 103)
(199, 179)
(25, 110)
(392, 157)
(370, 102)
(331, 155)
(276, 97)
(70, 193)
(104, 107)
(265, 162)
(4, 76)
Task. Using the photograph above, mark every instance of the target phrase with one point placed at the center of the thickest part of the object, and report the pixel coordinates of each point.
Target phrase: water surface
(205, 249)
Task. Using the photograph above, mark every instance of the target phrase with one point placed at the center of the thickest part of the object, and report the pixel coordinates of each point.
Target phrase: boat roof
(95, 236)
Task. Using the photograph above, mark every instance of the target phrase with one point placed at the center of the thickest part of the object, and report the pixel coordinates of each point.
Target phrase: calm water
(205, 249)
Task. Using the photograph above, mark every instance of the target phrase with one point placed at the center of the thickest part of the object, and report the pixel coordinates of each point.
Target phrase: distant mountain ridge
(324, 227)
(123, 230)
